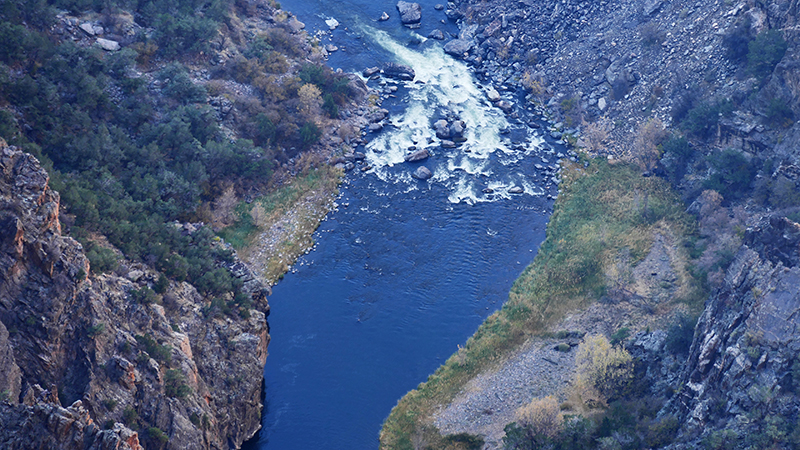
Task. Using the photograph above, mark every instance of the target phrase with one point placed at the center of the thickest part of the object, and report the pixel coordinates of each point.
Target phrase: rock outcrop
(173, 370)
(744, 356)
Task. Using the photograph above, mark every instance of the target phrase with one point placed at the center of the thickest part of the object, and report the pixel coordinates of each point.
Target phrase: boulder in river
(457, 129)
(516, 190)
(384, 17)
(457, 47)
(370, 71)
(399, 71)
(492, 95)
(442, 129)
(436, 34)
(418, 155)
(505, 105)
(448, 143)
(422, 173)
(409, 12)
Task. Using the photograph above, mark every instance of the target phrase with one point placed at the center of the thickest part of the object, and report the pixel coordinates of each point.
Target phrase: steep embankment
(168, 366)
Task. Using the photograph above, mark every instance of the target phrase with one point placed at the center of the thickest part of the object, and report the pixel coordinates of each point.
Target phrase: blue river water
(404, 270)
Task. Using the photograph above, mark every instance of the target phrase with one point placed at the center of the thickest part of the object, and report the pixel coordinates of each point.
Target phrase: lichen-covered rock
(178, 365)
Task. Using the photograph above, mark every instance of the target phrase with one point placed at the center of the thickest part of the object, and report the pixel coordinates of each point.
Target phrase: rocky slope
(174, 368)
(624, 61)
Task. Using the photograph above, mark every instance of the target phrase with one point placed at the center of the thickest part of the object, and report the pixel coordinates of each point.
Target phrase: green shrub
(110, 404)
(779, 114)
(677, 154)
(102, 260)
(737, 41)
(702, 119)
(310, 134)
(95, 330)
(145, 296)
(175, 384)
(129, 416)
(156, 435)
(731, 174)
(680, 335)
(620, 335)
(162, 353)
(764, 53)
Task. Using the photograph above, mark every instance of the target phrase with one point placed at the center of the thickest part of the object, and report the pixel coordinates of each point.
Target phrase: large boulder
(418, 155)
(442, 129)
(422, 173)
(409, 12)
(399, 72)
(457, 129)
(457, 47)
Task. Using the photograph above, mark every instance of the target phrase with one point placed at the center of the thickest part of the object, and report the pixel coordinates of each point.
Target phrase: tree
(603, 368)
(310, 101)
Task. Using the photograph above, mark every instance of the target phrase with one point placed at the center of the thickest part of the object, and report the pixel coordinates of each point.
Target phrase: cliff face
(743, 374)
(173, 367)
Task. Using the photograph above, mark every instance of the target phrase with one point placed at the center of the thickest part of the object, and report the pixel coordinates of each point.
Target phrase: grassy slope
(600, 211)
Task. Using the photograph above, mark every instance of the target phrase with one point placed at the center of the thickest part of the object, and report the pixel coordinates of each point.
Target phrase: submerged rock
(436, 34)
(422, 173)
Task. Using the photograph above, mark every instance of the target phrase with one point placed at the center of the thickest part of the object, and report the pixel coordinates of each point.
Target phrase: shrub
(702, 120)
(156, 435)
(779, 114)
(677, 153)
(95, 330)
(310, 134)
(620, 335)
(680, 335)
(162, 353)
(646, 150)
(541, 417)
(731, 174)
(764, 53)
(736, 42)
(144, 296)
(129, 416)
(175, 384)
(102, 260)
(604, 368)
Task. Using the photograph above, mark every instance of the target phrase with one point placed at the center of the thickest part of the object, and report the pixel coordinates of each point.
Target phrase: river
(404, 270)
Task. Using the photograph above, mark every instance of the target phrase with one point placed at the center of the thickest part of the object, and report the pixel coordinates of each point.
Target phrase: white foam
(444, 86)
